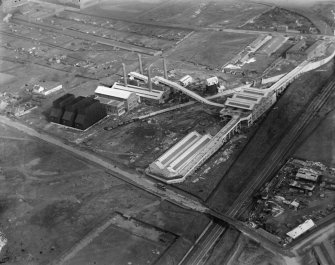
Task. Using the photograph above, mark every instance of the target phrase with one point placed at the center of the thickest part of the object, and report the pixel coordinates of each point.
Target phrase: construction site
(127, 126)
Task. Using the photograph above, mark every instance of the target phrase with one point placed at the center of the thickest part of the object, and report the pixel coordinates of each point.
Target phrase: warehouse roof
(241, 104)
(273, 45)
(140, 91)
(300, 229)
(111, 92)
(255, 91)
(247, 97)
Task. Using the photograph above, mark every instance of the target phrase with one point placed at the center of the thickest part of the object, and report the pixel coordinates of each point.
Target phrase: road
(133, 178)
(279, 154)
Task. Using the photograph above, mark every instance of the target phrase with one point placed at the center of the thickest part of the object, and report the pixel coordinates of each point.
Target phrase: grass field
(50, 200)
(212, 49)
(320, 145)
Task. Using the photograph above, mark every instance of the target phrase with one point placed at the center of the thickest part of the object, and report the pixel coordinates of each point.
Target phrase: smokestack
(124, 74)
(140, 62)
(149, 79)
(165, 69)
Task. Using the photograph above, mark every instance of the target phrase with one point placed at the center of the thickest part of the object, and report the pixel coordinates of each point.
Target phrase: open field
(204, 13)
(212, 49)
(319, 146)
(51, 200)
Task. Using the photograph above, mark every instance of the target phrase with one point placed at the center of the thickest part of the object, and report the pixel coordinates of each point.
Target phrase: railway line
(205, 245)
(279, 154)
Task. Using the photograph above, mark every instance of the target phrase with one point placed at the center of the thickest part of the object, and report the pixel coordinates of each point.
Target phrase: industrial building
(186, 80)
(129, 98)
(250, 100)
(272, 46)
(113, 107)
(300, 229)
(307, 174)
(70, 112)
(144, 93)
(297, 51)
(89, 115)
(170, 165)
(80, 112)
(58, 107)
(259, 42)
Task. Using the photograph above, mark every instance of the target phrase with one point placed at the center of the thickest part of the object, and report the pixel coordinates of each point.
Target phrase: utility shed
(300, 229)
(58, 107)
(130, 99)
(90, 114)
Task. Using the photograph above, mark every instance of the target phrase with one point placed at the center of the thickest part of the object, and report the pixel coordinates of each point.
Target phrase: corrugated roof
(236, 103)
(111, 92)
(300, 229)
(273, 45)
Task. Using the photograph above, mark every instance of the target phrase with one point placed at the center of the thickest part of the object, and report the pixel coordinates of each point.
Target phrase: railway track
(205, 245)
(283, 148)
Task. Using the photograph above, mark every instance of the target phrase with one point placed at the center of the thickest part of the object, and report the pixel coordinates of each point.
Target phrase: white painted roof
(112, 92)
(300, 229)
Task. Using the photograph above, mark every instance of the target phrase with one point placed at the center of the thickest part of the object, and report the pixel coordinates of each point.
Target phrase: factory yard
(40, 181)
(157, 117)
(302, 190)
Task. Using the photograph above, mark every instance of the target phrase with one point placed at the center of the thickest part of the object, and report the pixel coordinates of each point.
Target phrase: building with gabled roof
(129, 98)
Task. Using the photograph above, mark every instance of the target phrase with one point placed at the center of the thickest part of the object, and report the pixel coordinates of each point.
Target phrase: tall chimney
(149, 79)
(165, 69)
(124, 74)
(140, 62)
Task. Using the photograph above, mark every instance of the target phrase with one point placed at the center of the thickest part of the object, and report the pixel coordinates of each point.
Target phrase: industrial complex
(167, 132)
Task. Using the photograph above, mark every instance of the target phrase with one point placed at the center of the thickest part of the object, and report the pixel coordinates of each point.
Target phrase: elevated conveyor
(188, 92)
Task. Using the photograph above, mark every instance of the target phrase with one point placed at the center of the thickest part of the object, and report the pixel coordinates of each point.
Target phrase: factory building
(249, 100)
(70, 112)
(129, 98)
(58, 107)
(300, 229)
(89, 115)
(307, 174)
(170, 165)
(259, 42)
(297, 51)
(272, 46)
(212, 85)
(186, 80)
(113, 107)
(144, 93)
